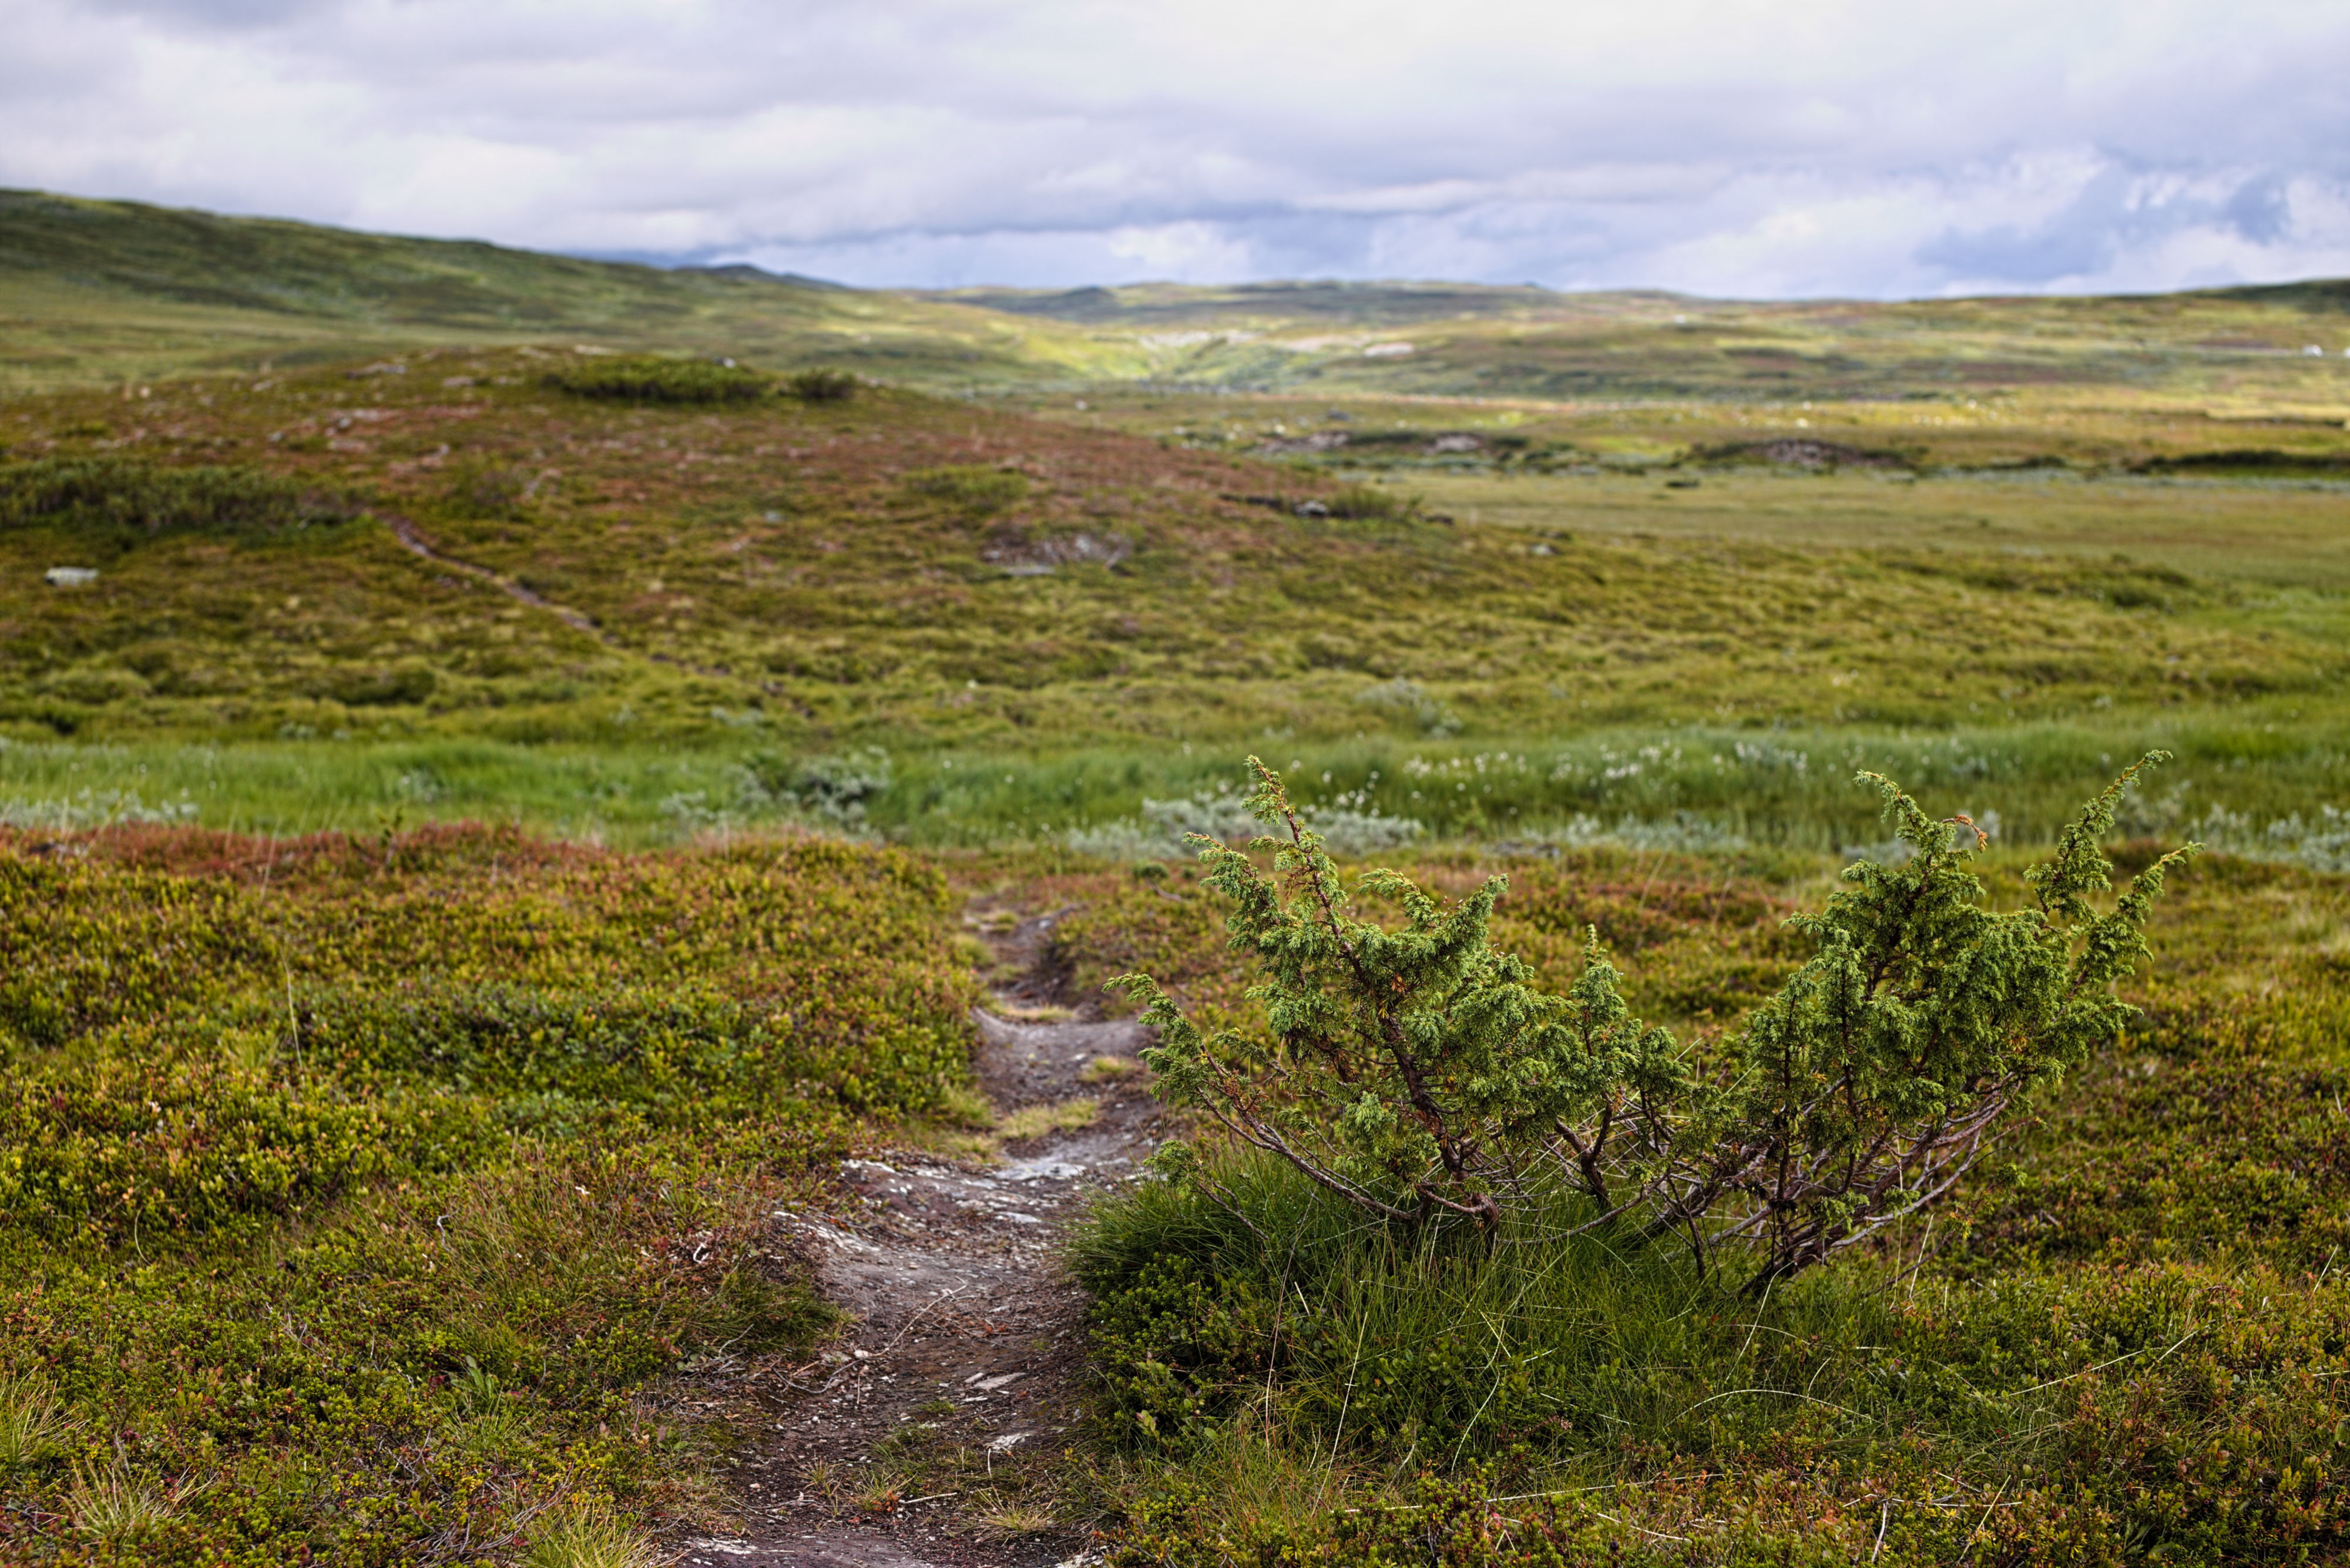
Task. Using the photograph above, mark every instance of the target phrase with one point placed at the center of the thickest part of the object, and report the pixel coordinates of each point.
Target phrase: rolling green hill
(2046, 532)
(1450, 340)
(111, 291)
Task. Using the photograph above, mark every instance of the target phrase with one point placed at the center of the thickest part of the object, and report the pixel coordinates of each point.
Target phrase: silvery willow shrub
(1419, 1073)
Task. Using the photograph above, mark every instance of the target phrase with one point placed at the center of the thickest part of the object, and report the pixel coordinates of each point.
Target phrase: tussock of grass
(882, 1492)
(33, 1420)
(962, 1107)
(1036, 1121)
(972, 489)
(583, 1535)
(821, 386)
(1369, 503)
(1589, 1339)
(1037, 1015)
(117, 1506)
(1017, 1520)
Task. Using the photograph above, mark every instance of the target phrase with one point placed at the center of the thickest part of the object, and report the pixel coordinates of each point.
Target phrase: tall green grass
(1282, 1366)
(1692, 788)
(1685, 788)
(1279, 1303)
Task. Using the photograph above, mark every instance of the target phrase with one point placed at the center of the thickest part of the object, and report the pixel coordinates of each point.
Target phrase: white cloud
(1176, 249)
(1741, 147)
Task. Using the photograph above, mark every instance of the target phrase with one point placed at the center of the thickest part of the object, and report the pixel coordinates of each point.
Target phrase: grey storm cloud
(1728, 147)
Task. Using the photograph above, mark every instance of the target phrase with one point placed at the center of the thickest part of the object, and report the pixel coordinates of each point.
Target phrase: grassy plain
(2247, 348)
(956, 624)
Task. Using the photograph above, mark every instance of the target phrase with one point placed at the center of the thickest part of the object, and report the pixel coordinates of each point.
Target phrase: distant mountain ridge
(99, 291)
(1329, 300)
(271, 264)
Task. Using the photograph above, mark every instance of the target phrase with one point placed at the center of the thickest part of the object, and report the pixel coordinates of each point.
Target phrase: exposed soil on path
(926, 1435)
(413, 541)
(415, 544)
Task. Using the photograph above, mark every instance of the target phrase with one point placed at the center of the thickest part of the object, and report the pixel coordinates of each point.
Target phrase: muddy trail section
(929, 1432)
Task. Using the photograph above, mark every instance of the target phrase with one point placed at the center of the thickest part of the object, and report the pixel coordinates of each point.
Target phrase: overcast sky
(1752, 148)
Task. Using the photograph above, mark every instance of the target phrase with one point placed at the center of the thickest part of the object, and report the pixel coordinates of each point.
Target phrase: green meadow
(947, 622)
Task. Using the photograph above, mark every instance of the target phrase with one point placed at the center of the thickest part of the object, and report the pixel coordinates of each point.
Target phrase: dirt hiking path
(956, 1384)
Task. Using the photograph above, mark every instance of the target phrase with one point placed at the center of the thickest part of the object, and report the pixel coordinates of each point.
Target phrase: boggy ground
(920, 1433)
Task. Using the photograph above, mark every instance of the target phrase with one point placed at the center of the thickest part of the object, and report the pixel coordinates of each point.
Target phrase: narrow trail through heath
(916, 1438)
(413, 541)
(415, 544)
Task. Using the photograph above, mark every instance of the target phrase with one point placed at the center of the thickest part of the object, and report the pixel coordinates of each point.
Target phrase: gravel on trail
(964, 1342)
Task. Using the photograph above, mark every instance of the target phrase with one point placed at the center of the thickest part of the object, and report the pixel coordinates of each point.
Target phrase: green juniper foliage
(1420, 1074)
(111, 496)
(650, 378)
(822, 385)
